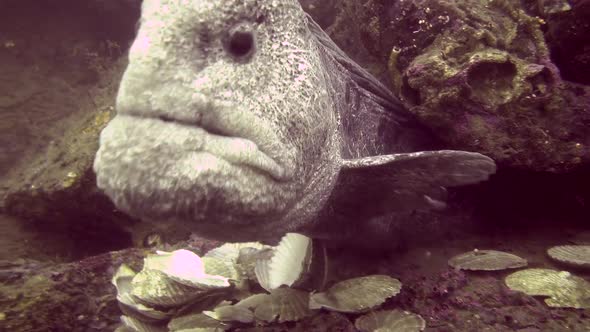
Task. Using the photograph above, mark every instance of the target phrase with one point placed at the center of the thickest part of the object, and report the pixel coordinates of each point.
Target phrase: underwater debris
(357, 294)
(486, 260)
(574, 255)
(564, 289)
(390, 321)
(289, 263)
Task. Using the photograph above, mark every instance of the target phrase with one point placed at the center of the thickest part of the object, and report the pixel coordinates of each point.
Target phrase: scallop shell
(356, 295)
(282, 304)
(486, 260)
(246, 262)
(289, 263)
(214, 266)
(231, 251)
(196, 321)
(575, 255)
(153, 287)
(131, 308)
(231, 313)
(122, 278)
(139, 326)
(185, 267)
(390, 321)
(563, 288)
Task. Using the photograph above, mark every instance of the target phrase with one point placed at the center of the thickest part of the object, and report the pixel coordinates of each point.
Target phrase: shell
(487, 260)
(565, 289)
(390, 321)
(231, 251)
(282, 304)
(139, 326)
(122, 278)
(214, 266)
(196, 321)
(139, 311)
(246, 262)
(575, 255)
(185, 267)
(230, 313)
(153, 287)
(357, 294)
(129, 306)
(289, 263)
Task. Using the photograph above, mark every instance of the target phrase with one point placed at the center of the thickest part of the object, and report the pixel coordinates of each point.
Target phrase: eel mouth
(230, 146)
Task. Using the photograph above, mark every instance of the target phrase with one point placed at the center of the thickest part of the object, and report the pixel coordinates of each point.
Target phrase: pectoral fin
(376, 185)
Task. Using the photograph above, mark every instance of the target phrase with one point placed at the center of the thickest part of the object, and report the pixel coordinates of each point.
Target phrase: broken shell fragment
(574, 255)
(563, 288)
(357, 294)
(289, 263)
(390, 321)
(486, 260)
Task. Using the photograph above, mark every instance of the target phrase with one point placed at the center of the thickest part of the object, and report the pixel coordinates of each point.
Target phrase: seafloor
(61, 240)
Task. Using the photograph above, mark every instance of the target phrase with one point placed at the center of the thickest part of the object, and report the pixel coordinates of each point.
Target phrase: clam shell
(289, 263)
(357, 294)
(575, 255)
(153, 287)
(486, 260)
(230, 313)
(563, 288)
(196, 321)
(390, 321)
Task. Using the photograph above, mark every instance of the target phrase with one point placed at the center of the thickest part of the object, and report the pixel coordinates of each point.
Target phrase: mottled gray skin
(243, 146)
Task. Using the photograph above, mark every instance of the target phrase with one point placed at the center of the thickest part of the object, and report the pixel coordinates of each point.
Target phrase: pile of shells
(180, 291)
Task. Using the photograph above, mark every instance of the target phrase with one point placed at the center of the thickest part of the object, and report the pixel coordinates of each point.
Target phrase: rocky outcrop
(478, 73)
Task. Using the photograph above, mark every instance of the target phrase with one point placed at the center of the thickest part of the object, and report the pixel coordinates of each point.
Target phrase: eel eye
(240, 42)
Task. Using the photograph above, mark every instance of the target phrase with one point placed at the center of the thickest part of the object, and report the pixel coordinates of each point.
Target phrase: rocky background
(506, 78)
